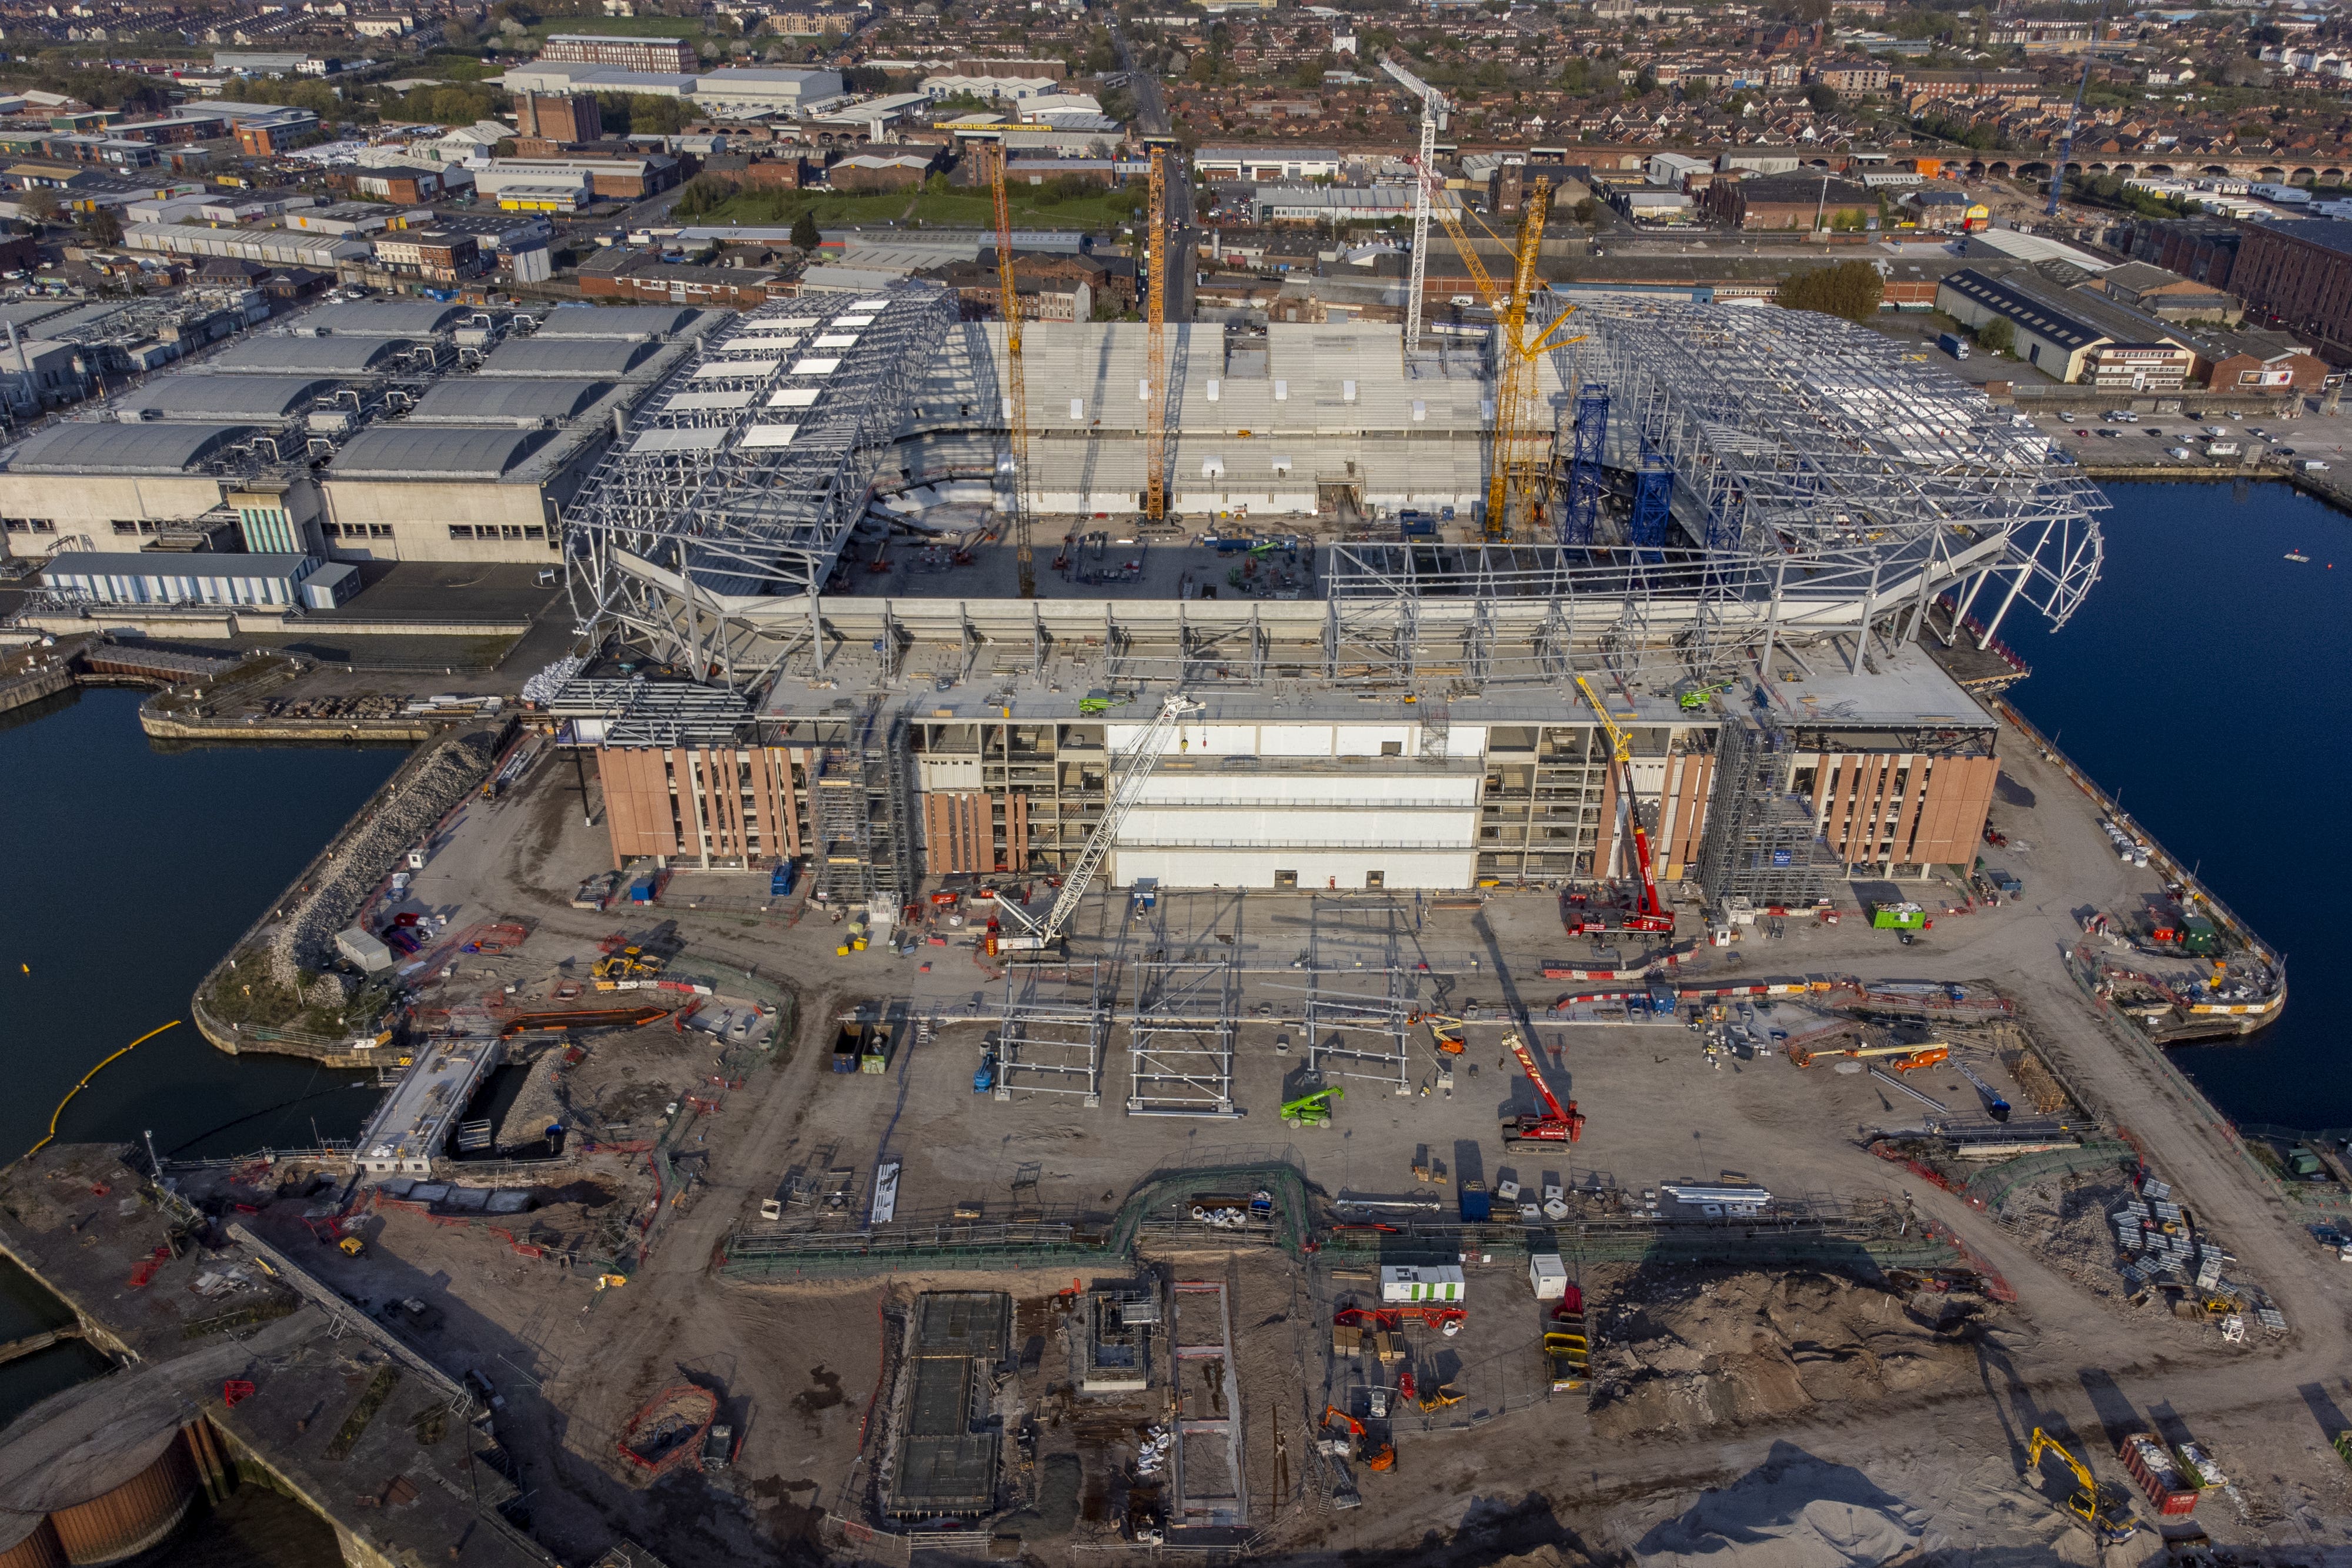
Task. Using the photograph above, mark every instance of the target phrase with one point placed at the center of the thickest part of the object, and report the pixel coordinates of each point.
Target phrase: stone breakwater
(367, 853)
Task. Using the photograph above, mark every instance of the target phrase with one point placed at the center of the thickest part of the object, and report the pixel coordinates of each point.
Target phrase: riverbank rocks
(304, 940)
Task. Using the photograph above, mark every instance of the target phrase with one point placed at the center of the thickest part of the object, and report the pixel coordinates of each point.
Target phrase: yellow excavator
(2106, 1511)
(628, 964)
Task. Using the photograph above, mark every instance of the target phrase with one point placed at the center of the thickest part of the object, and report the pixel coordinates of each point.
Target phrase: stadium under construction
(802, 562)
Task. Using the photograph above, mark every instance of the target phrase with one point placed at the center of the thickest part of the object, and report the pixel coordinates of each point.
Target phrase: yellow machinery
(1017, 388)
(1918, 1054)
(1520, 468)
(2105, 1509)
(1439, 1398)
(352, 1246)
(628, 964)
(1155, 425)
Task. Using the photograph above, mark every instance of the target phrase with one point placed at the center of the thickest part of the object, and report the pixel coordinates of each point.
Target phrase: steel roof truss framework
(1050, 1038)
(1180, 1039)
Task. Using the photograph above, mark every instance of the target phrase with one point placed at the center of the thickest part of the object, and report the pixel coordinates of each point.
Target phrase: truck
(2010, 886)
(2222, 449)
(780, 879)
(1953, 344)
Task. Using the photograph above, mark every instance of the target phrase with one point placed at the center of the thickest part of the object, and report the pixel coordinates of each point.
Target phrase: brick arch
(2304, 177)
(1999, 169)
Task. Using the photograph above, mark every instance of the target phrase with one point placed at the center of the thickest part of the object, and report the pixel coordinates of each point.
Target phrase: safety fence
(1990, 1188)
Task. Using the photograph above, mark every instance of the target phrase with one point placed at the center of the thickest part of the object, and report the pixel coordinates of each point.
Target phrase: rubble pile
(305, 938)
(1708, 1348)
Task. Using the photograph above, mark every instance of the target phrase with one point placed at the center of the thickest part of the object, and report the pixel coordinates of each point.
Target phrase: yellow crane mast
(1017, 388)
(1155, 427)
(1519, 466)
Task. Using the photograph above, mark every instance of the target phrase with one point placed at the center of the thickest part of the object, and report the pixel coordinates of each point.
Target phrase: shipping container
(1476, 1209)
(1548, 1276)
(1420, 1284)
(1952, 344)
(2151, 1464)
(367, 952)
(848, 1046)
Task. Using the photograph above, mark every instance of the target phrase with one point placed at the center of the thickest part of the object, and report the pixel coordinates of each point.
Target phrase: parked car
(2181, 452)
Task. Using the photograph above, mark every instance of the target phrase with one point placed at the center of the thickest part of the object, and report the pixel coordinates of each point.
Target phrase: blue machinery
(1583, 510)
(1654, 495)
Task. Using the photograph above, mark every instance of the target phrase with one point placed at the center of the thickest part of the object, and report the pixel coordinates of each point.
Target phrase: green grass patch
(379, 1389)
(453, 68)
(776, 209)
(619, 27)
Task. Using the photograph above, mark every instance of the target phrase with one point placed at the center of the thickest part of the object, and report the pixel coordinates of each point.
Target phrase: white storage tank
(1409, 1283)
(1548, 1276)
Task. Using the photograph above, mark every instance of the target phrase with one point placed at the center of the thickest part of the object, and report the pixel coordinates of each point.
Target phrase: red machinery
(1558, 1124)
(1650, 913)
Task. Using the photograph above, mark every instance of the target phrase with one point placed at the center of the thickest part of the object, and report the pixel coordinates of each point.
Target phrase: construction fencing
(1163, 1202)
(1990, 1188)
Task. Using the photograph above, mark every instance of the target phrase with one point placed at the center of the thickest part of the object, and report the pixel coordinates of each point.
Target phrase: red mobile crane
(1653, 915)
(1557, 1125)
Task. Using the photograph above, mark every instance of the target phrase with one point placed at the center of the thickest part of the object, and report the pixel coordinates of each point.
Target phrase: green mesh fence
(1990, 1188)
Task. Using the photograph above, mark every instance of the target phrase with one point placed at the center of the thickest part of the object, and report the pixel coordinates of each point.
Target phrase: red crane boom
(1558, 1124)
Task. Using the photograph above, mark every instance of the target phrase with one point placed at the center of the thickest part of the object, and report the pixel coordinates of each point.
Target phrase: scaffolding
(1360, 1036)
(1584, 511)
(1051, 1033)
(861, 811)
(1180, 1039)
(1760, 841)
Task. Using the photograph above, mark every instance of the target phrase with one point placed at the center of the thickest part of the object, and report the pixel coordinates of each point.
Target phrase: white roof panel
(836, 341)
(737, 370)
(853, 320)
(817, 367)
(795, 397)
(677, 441)
(727, 397)
(793, 323)
(868, 304)
(770, 435)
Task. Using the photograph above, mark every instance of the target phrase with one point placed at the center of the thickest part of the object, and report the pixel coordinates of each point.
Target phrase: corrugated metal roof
(632, 323)
(542, 355)
(215, 398)
(520, 398)
(435, 452)
(96, 447)
(388, 318)
(323, 355)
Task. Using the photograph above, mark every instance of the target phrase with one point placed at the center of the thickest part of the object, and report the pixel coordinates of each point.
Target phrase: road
(1150, 105)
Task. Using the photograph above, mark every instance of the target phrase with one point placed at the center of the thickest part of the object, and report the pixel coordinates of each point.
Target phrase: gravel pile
(305, 939)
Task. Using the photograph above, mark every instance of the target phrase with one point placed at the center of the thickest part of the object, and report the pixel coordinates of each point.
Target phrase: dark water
(2204, 679)
(131, 871)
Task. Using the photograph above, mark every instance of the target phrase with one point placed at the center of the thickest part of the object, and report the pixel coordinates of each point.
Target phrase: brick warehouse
(2299, 275)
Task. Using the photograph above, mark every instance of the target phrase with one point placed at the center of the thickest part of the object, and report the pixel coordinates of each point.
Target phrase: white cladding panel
(1194, 739)
(1315, 869)
(1167, 825)
(1388, 790)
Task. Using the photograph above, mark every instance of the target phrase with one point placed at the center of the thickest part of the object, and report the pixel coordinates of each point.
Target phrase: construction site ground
(1795, 1408)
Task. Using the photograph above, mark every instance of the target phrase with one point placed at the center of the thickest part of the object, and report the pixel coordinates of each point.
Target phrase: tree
(805, 238)
(1851, 289)
(1997, 336)
(1821, 96)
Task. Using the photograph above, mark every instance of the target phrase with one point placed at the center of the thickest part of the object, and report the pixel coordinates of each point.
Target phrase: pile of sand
(1690, 1349)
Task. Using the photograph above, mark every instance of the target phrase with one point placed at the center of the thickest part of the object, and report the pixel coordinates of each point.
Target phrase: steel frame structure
(1367, 1036)
(1050, 1043)
(1180, 1039)
(1814, 485)
(685, 541)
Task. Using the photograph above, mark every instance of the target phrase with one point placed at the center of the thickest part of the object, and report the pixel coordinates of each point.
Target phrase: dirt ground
(1798, 1416)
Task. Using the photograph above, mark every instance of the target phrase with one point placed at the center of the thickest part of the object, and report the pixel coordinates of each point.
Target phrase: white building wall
(1316, 869)
(1298, 827)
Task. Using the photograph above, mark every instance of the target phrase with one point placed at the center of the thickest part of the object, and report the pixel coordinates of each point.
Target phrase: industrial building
(1748, 516)
(413, 430)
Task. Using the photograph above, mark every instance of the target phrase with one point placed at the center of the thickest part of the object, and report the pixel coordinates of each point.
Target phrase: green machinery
(1312, 1110)
(1692, 697)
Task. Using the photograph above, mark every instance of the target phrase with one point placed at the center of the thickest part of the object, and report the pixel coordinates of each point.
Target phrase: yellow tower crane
(1155, 427)
(1519, 468)
(1017, 388)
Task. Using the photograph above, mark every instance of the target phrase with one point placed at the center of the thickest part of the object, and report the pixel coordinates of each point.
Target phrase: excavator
(2105, 1509)
(1382, 1458)
(1557, 1124)
(1312, 1110)
(1653, 915)
(631, 963)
